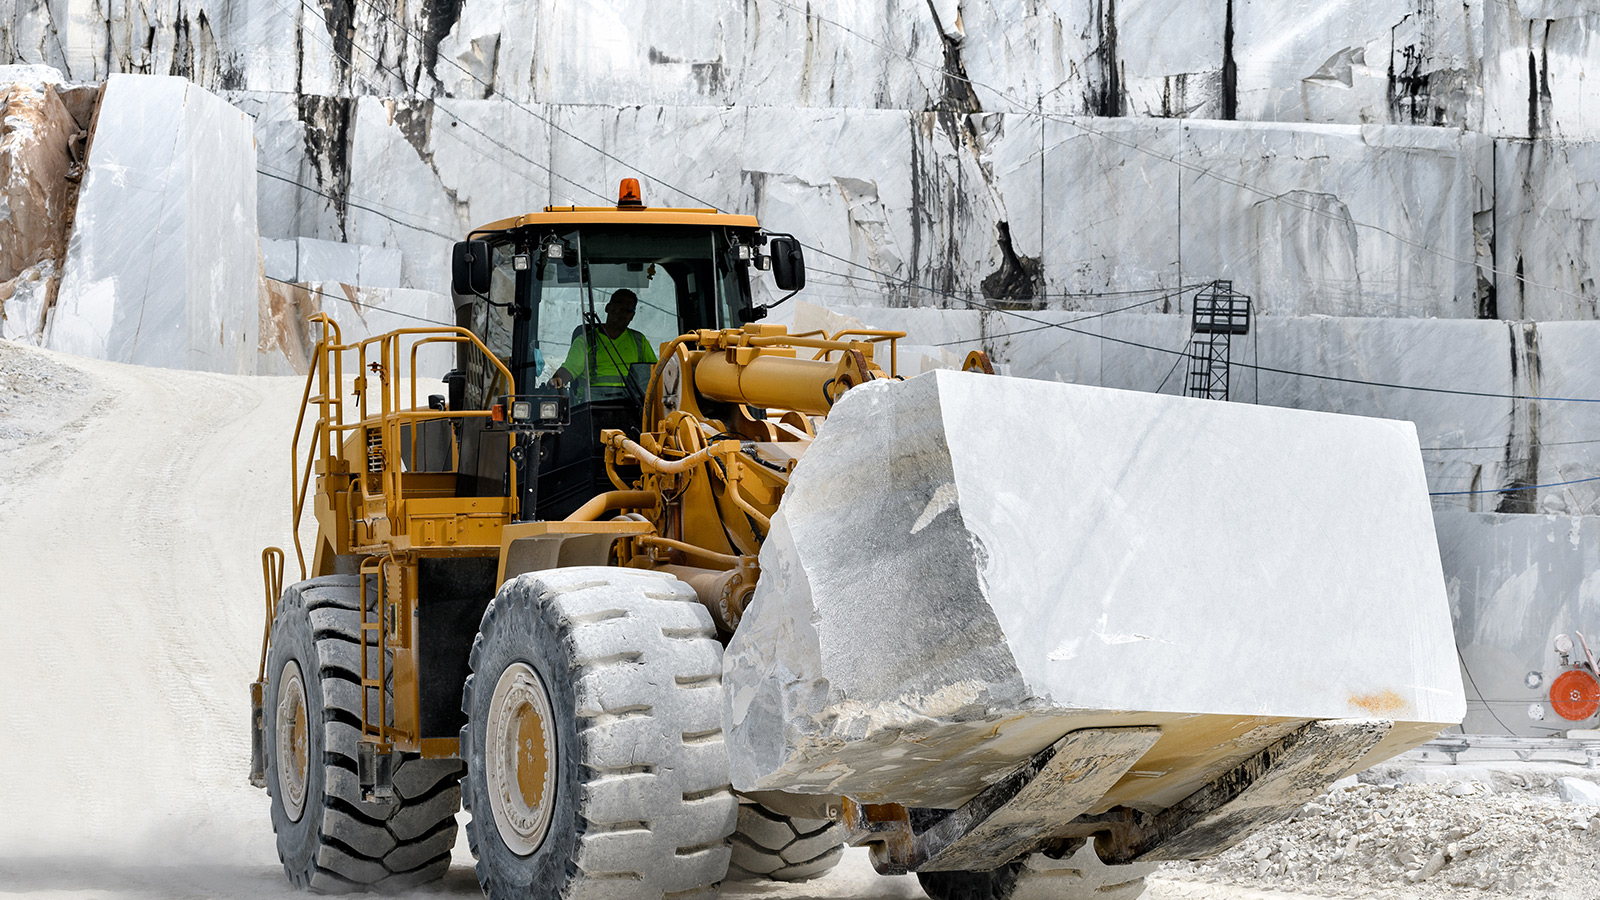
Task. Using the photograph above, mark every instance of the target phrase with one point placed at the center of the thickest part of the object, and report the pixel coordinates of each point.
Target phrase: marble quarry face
(1405, 190)
(903, 135)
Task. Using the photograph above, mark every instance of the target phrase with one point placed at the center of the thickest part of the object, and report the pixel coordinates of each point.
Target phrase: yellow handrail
(328, 433)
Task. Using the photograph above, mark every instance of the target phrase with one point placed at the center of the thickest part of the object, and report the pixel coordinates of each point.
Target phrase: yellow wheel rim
(292, 730)
(519, 758)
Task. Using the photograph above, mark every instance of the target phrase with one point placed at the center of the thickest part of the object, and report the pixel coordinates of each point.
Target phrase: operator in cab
(616, 348)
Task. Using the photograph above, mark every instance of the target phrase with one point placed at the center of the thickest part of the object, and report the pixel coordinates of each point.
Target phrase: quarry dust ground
(134, 503)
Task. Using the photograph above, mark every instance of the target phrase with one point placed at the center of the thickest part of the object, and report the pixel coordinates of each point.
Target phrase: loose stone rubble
(1441, 841)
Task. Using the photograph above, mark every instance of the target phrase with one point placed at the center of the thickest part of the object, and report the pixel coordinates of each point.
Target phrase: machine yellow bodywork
(699, 510)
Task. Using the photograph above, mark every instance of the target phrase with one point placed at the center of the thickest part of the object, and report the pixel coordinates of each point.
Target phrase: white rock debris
(1420, 842)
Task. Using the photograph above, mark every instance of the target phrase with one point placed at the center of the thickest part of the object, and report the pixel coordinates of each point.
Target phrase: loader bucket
(967, 568)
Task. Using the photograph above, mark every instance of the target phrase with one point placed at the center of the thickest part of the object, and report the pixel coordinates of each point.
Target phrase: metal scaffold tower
(1219, 314)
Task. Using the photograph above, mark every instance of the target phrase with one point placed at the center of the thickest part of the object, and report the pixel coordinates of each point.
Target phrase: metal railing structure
(383, 419)
(1219, 314)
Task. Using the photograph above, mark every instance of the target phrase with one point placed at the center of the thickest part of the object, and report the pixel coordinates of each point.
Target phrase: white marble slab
(379, 266)
(178, 288)
(1173, 540)
(280, 259)
(318, 260)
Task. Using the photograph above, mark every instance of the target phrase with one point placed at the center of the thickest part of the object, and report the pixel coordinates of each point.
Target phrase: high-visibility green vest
(611, 358)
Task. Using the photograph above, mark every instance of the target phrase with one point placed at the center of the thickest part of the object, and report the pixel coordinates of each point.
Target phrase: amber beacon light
(628, 195)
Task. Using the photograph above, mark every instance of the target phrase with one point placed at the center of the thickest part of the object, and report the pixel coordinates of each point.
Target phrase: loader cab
(539, 289)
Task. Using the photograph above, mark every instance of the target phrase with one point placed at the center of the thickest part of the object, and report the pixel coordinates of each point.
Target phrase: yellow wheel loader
(664, 596)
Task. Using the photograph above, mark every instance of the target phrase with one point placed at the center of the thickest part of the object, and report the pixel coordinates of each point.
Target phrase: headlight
(549, 410)
(522, 410)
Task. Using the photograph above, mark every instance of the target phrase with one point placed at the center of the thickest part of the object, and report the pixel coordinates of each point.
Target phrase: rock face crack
(439, 17)
(1017, 276)
(414, 118)
(1522, 447)
(1230, 69)
(339, 17)
(328, 124)
(1105, 93)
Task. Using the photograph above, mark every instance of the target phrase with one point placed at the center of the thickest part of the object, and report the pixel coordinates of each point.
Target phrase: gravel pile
(1514, 838)
(38, 395)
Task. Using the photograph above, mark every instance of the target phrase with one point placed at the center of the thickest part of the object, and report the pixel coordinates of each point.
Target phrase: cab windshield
(605, 307)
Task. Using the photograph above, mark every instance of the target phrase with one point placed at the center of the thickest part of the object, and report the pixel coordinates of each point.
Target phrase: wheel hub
(519, 758)
(292, 730)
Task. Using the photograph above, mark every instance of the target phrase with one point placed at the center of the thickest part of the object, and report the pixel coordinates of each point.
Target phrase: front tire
(330, 839)
(595, 761)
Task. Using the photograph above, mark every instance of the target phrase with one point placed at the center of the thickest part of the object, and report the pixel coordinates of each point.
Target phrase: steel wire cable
(347, 299)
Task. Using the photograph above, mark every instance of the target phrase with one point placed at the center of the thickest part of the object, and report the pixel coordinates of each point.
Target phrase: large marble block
(163, 261)
(318, 260)
(965, 567)
(280, 259)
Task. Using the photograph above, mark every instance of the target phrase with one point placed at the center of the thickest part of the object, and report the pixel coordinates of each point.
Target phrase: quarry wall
(1407, 190)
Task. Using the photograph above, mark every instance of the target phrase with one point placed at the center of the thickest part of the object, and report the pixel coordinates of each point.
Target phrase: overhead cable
(351, 300)
(1503, 490)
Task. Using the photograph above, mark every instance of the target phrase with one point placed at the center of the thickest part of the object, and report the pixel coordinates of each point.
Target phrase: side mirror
(470, 268)
(788, 264)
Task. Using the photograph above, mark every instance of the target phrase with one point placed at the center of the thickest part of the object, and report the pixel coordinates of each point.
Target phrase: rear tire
(330, 840)
(595, 761)
(1079, 876)
(769, 845)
